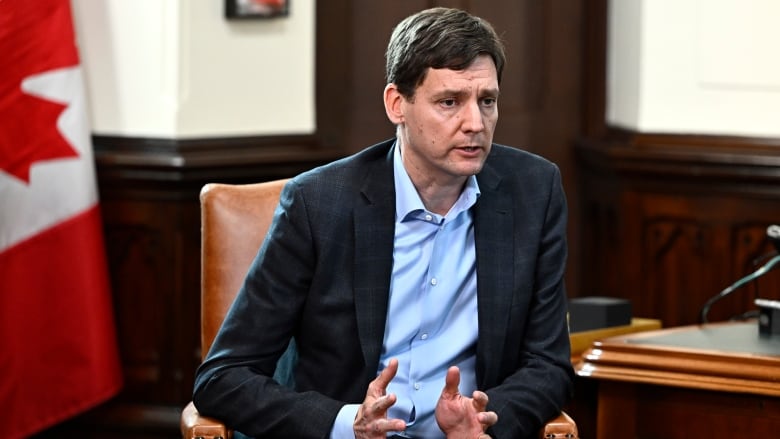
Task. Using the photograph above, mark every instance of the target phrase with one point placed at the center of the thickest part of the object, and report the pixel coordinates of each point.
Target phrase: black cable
(728, 290)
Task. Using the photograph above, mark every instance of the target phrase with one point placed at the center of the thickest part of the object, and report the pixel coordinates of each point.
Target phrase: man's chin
(468, 171)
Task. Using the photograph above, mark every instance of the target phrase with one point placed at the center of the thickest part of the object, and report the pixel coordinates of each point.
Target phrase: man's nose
(472, 118)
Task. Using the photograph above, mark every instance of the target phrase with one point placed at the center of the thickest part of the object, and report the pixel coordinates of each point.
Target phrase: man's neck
(437, 198)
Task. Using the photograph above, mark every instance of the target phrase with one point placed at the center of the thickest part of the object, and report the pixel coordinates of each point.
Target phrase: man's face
(447, 128)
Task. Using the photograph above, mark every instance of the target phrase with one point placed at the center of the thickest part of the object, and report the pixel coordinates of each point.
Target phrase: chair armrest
(195, 426)
(562, 426)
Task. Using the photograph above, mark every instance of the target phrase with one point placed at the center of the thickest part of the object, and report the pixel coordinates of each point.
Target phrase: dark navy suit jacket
(322, 276)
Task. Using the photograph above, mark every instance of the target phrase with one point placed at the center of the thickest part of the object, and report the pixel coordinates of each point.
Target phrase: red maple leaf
(35, 37)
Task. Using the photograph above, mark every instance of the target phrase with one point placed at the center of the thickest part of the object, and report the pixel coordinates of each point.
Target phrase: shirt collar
(407, 200)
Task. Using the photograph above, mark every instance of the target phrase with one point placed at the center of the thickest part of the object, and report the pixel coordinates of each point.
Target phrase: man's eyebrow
(491, 92)
(450, 92)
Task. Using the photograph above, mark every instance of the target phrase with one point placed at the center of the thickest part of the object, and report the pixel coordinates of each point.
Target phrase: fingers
(461, 416)
(480, 400)
(385, 425)
(378, 387)
(487, 419)
(371, 421)
(379, 407)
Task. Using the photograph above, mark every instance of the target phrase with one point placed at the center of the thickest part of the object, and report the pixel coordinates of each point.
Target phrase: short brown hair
(438, 38)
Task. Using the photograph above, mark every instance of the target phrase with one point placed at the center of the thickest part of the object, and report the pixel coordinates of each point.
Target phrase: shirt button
(424, 336)
(428, 217)
(417, 386)
(434, 281)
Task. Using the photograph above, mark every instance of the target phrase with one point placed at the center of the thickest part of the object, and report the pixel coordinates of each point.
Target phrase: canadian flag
(58, 350)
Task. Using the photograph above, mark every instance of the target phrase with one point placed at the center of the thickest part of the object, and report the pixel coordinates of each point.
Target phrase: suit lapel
(374, 235)
(493, 221)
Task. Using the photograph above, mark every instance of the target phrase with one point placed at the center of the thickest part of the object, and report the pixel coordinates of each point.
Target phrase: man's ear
(393, 100)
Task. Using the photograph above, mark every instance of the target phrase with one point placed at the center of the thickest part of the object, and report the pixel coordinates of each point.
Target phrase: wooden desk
(714, 381)
(583, 340)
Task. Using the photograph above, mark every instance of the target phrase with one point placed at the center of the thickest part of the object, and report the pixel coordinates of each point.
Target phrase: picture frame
(256, 9)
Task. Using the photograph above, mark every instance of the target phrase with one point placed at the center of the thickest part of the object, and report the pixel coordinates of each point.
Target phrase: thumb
(451, 382)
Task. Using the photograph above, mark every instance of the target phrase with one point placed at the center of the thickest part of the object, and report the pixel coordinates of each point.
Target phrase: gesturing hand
(461, 417)
(371, 420)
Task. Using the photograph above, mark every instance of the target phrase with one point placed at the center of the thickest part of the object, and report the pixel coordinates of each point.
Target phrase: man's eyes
(451, 102)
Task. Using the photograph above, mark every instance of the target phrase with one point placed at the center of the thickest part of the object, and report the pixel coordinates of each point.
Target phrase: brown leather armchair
(234, 221)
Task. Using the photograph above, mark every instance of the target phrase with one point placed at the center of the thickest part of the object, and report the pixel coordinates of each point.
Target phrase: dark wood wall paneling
(672, 220)
(669, 221)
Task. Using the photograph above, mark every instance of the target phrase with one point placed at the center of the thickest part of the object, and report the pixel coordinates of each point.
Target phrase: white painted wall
(695, 66)
(179, 69)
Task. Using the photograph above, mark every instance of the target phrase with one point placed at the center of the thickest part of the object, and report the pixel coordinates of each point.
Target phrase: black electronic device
(768, 317)
(595, 312)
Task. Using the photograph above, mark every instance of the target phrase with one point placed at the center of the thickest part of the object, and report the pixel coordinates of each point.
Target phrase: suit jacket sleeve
(234, 383)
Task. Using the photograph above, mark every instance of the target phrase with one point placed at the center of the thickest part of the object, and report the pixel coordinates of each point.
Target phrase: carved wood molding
(684, 156)
(708, 366)
(123, 159)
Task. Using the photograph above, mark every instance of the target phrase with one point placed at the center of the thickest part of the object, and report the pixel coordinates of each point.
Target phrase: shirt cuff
(343, 426)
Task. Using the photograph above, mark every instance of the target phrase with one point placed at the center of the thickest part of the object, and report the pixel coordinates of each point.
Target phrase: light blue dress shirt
(432, 312)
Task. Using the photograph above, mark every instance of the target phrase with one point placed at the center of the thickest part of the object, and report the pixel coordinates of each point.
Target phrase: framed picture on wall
(243, 9)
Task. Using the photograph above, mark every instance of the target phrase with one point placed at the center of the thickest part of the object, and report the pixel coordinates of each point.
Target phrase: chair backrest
(234, 222)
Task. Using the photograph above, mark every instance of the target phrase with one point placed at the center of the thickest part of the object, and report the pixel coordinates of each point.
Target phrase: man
(421, 279)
